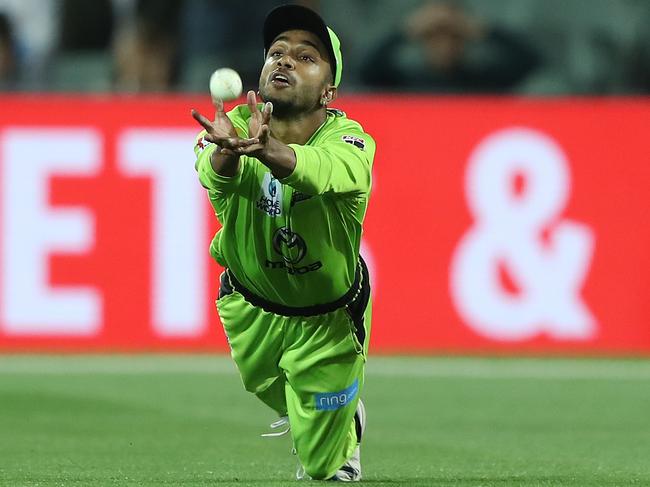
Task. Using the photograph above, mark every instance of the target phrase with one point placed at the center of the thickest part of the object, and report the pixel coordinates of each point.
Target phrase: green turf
(185, 421)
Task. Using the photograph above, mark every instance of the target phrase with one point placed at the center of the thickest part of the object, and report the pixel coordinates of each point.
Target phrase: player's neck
(297, 129)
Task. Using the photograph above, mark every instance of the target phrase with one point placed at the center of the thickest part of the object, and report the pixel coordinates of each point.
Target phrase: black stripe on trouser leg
(225, 288)
(357, 307)
(357, 426)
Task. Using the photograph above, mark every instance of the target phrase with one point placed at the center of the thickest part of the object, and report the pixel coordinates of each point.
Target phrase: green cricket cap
(289, 17)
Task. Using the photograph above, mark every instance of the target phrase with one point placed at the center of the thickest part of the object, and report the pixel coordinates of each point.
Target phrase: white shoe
(301, 474)
(350, 471)
(283, 422)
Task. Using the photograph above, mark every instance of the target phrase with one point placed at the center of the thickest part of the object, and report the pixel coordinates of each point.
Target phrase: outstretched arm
(278, 157)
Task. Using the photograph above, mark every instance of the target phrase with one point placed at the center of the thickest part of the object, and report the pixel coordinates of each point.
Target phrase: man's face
(296, 73)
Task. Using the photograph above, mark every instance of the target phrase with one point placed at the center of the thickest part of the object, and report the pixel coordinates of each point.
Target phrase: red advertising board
(495, 225)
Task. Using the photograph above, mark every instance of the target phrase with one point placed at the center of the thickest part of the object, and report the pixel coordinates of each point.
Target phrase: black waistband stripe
(317, 309)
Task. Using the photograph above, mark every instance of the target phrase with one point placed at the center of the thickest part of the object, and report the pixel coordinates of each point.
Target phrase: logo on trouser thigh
(330, 401)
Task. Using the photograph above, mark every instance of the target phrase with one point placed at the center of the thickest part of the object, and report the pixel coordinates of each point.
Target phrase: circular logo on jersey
(289, 245)
(273, 190)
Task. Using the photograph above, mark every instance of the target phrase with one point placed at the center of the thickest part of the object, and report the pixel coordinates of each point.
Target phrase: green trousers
(309, 368)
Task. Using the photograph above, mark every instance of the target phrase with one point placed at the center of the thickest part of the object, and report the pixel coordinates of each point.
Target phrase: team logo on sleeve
(355, 141)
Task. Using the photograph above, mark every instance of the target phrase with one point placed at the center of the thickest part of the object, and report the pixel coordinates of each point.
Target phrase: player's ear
(329, 95)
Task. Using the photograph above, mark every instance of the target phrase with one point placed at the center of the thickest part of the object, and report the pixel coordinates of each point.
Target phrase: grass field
(186, 421)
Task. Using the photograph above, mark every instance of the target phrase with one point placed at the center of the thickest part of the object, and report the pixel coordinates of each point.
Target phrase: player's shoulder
(347, 129)
(338, 120)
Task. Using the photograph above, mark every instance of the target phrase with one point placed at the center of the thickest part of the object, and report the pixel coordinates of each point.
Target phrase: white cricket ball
(225, 84)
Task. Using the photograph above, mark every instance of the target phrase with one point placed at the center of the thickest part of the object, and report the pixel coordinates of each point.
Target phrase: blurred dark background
(531, 47)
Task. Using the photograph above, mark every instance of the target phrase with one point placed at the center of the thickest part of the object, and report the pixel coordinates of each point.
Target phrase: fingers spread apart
(205, 123)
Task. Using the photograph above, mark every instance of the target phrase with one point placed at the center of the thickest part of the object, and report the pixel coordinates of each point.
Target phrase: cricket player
(289, 181)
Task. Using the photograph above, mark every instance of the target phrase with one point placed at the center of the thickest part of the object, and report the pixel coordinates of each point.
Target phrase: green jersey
(293, 241)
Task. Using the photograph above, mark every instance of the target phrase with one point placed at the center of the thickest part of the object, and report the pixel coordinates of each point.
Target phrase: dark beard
(288, 109)
(283, 109)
